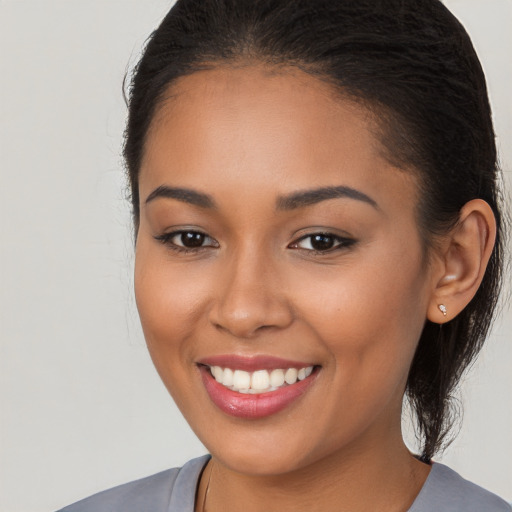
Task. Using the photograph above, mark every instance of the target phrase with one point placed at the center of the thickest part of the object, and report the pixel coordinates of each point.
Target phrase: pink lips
(249, 406)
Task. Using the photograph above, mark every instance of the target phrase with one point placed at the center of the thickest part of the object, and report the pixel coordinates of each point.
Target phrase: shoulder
(138, 495)
(446, 491)
(155, 492)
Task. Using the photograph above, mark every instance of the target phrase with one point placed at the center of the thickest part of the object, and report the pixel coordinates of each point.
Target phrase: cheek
(168, 300)
(369, 322)
(369, 314)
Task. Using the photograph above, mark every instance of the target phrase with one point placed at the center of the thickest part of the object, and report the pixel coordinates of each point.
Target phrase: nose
(250, 298)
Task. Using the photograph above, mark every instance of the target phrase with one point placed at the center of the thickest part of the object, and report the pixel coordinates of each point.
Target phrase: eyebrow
(310, 197)
(185, 195)
(289, 202)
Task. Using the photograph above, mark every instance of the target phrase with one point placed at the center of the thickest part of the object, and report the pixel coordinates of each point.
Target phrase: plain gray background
(81, 407)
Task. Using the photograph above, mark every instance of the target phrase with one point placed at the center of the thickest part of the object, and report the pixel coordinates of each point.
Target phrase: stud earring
(442, 308)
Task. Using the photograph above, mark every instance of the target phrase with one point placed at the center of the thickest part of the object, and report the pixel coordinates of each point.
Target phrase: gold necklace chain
(203, 509)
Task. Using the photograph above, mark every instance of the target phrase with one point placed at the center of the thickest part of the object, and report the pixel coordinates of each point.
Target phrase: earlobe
(462, 262)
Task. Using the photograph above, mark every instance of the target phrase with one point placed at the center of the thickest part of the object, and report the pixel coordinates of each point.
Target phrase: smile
(259, 381)
(256, 387)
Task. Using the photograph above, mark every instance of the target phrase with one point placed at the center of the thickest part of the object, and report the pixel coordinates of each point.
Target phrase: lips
(255, 387)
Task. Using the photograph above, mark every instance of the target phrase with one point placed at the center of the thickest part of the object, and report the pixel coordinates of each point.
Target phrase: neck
(384, 477)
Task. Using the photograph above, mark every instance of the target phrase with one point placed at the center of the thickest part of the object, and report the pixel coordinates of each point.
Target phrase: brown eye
(322, 242)
(190, 239)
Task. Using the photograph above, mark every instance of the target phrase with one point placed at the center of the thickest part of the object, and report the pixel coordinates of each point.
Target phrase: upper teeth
(259, 381)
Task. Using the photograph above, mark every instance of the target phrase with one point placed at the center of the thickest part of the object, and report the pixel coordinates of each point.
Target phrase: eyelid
(182, 231)
(166, 239)
(341, 242)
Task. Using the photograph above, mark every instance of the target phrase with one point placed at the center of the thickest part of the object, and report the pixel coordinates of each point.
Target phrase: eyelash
(166, 239)
(341, 242)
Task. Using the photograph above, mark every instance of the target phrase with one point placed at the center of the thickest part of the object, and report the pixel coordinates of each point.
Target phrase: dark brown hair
(412, 63)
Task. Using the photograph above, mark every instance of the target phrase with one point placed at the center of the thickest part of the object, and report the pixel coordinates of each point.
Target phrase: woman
(317, 235)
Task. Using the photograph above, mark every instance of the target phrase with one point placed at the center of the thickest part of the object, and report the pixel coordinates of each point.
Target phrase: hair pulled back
(410, 62)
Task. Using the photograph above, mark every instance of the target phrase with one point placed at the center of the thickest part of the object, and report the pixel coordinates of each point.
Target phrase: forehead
(266, 127)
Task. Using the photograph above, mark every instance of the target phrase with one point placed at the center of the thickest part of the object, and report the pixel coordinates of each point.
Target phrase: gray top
(174, 491)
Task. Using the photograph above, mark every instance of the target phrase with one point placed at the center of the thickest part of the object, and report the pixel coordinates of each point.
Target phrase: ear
(461, 261)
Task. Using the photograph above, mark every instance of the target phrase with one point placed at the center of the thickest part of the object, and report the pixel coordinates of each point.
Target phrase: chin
(268, 462)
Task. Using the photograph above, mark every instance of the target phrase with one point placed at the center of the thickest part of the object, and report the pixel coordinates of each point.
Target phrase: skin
(247, 136)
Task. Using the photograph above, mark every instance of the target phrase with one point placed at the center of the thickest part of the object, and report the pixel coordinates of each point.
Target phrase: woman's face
(274, 237)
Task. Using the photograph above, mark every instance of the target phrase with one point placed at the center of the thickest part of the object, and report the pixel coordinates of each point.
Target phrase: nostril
(263, 328)
(219, 327)
(241, 331)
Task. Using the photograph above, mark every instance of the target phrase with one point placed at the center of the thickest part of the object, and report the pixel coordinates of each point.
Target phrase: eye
(322, 242)
(187, 240)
